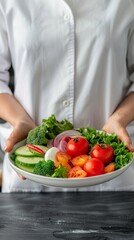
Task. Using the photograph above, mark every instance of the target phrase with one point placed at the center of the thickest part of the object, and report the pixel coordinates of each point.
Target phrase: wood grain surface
(83, 215)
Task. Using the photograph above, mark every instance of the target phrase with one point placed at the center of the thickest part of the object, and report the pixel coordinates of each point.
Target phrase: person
(73, 59)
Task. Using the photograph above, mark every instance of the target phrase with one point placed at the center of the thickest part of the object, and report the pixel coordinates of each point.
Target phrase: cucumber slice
(28, 161)
(37, 153)
(25, 152)
(25, 168)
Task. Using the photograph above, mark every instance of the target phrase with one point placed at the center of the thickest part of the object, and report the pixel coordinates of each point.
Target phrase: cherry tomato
(67, 165)
(109, 168)
(104, 152)
(77, 172)
(94, 167)
(77, 146)
(80, 160)
(62, 157)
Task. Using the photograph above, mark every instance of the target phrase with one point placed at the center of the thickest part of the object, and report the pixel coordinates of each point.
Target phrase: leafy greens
(122, 155)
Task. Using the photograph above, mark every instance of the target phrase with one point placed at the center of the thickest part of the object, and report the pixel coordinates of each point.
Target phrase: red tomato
(94, 167)
(77, 172)
(67, 165)
(109, 168)
(77, 146)
(62, 157)
(80, 160)
(104, 152)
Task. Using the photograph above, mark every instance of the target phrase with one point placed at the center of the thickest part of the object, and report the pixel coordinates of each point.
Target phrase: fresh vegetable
(80, 160)
(60, 172)
(94, 167)
(77, 146)
(28, 160)
(66, 165)
(24, 151)
(27, 163)
(25, 168)
(36, 149)
(37, 136)
(61, 145)
(109, 168)
(61, 140)
(51, 154)
(122, 155)
(104, 152)
(74, 153)
(13, 156)
(77, 172)
(44, 168)
(62, 157)
(48, 130)
(47, 168)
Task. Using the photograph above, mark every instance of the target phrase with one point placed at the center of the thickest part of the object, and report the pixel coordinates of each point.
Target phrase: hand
(19, 133)
(113, 125)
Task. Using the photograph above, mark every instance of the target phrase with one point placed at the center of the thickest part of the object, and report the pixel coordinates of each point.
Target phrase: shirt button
(65, 103)
(66, 17)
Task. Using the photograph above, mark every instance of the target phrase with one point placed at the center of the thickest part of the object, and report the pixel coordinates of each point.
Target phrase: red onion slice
(62, 146)
(60, 142)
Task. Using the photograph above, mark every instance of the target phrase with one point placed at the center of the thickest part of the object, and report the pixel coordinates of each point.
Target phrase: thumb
(11, 141)
(124, 136)
(9, 145)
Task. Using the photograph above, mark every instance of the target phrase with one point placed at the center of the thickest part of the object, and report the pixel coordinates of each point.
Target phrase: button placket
(68, 20)
(66, 17)
(66, 103)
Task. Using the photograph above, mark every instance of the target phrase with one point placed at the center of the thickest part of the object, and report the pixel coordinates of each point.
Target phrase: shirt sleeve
(5, 60)
(130, 59)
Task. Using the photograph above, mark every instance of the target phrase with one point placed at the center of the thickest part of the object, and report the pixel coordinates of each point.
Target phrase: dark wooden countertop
(85, 215)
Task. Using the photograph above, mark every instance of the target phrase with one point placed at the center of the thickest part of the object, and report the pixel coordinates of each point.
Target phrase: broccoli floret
(37, 136)
(48, 130)
(44, 168)
(60, 172)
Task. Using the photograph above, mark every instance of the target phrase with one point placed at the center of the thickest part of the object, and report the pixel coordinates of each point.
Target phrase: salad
(57, 149)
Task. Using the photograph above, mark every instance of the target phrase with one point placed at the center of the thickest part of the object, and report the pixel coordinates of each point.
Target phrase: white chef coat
(72, 58)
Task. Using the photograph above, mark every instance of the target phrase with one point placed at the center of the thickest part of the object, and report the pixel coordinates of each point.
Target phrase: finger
(20, 176)
(131, 148)
(9, 145)
(13, 138)
(124, 137)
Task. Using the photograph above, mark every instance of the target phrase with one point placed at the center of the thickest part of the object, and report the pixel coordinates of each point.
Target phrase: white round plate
(66, 182)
